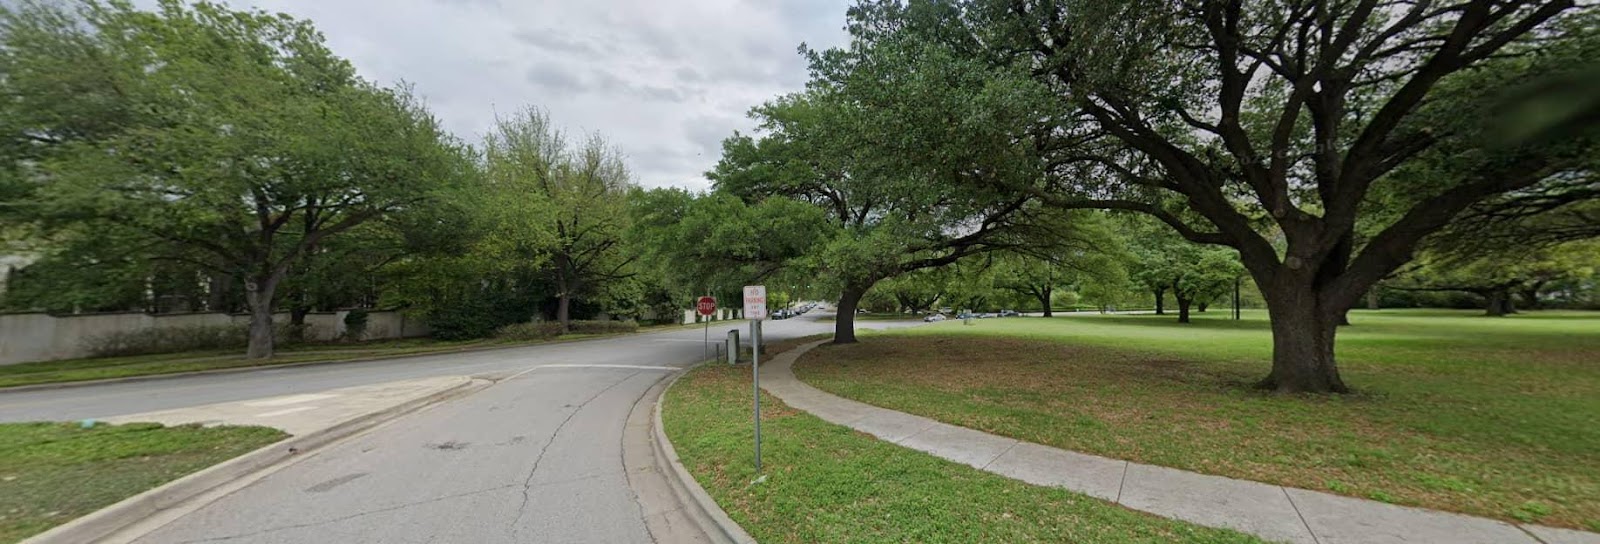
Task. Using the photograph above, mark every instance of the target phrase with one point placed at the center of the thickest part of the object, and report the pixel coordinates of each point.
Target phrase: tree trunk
(297, 322)
(259, 295)
(1508, 303)
(1372, 298)
(1343, 318)
(1044, 300)
(844, 324)
(1183, 307)
(1160, 307)
(564, 311)
(564, 297)
(1201, 306)
(1302, 341)
(1530, 295)
(1494, 303)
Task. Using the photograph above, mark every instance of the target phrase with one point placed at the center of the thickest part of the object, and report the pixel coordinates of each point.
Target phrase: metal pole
(755, 382)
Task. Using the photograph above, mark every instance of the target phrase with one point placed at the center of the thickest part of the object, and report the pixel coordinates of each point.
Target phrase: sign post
(755, 309)
(706, 306)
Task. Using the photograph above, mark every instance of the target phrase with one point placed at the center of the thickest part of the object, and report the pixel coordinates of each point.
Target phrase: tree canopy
(234, 140)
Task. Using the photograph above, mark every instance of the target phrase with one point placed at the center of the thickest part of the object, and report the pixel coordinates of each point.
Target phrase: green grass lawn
(51, 473)
(827, 483)
(1496, 417)
(98, 368)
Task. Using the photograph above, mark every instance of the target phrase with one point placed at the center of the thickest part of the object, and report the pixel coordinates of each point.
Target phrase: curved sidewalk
(1272, 512)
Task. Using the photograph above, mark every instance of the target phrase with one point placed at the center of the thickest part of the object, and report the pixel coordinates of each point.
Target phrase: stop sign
(705, 306)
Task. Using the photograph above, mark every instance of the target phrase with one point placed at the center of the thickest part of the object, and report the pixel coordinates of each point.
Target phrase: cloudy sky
(665, 80)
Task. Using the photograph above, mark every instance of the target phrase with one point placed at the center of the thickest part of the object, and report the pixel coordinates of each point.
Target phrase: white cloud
(663, 80)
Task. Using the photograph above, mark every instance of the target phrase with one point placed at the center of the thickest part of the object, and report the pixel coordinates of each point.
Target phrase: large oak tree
(1274, 128)
(233, 139)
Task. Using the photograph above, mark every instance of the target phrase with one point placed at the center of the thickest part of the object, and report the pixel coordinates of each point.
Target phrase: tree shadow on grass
(1170, 321)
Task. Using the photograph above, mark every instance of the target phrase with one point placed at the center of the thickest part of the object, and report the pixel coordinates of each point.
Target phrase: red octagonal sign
(706, 306)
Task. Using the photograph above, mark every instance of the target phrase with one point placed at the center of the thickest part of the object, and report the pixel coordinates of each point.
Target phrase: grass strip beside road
(52, 473)
(101, 368)
(1496, 417)
(827, 483)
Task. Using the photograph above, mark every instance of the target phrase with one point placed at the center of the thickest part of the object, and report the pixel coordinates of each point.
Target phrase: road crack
(527, 483)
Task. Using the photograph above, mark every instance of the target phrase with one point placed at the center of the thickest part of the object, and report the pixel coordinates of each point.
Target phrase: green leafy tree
(1500, 275)
(584, 191)
(917, 291)
(1271, 128)
(715, 243)
(1091, 251)
(233, 134)
(902, 143)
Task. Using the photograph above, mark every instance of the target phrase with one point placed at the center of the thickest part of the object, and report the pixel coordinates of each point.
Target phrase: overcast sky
(665, 80)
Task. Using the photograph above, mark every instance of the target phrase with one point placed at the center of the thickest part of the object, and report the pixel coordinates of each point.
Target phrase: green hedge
(541, 330)
(604, 327)
(177, 339)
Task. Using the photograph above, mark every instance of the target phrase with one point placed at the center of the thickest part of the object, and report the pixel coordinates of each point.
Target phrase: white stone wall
(44, 337)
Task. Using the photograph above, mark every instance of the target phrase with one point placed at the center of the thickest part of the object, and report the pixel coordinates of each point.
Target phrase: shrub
(355, 324)
(604, 327)
(464, 322)
(170, 339)
(529, 331)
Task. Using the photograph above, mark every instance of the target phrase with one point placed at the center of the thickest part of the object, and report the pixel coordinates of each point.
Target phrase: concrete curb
(720, 528)
(235, 370)
(107, 521)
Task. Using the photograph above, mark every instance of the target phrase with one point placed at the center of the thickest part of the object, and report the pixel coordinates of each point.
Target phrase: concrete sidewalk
(1272, 512)
(302, 414)
(313, 420)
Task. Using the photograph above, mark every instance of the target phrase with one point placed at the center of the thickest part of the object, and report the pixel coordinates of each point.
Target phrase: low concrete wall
(44, 337)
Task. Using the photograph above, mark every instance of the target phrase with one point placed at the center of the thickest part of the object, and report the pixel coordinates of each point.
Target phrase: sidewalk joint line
(1529, 533)
(914, 434)
(1123, 482)
(1013, 445)
(1302, 517)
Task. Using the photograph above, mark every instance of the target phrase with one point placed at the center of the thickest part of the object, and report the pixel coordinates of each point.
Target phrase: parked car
(1010, 313)
(987, 315)
(934, 317)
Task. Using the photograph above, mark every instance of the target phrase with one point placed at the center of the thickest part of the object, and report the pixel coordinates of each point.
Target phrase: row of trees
(1318, 145)
(196, 157)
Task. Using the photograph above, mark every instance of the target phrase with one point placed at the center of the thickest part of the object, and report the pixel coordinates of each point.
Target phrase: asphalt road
(536, 457)
(662, 348)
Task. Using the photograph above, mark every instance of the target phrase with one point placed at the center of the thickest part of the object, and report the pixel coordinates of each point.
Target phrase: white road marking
(678, 340)
(286, 411)
(292, 399)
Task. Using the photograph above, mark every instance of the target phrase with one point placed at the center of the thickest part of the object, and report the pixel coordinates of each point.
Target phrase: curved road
(536, 457)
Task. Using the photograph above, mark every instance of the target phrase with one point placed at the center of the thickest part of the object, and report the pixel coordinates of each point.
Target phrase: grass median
(51, 473)
(827, 483)
(1496, 417)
